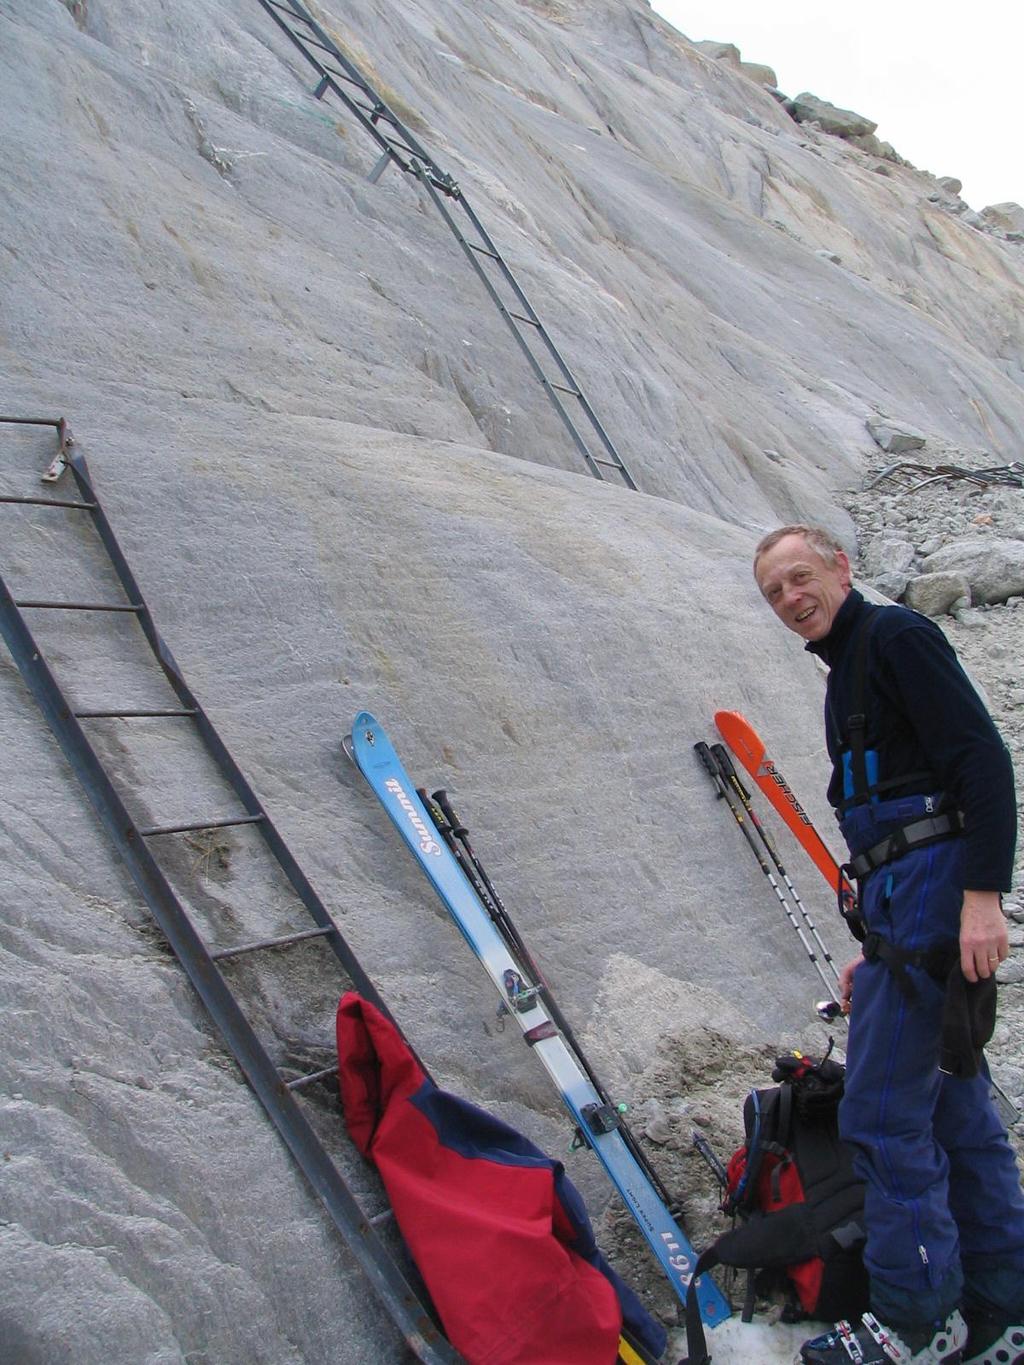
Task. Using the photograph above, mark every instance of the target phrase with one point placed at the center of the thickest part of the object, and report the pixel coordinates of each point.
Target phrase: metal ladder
(200, 961)
(340, 77)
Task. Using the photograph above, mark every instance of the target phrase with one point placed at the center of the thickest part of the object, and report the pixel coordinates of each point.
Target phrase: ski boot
(990, 1341)
(874, 1344)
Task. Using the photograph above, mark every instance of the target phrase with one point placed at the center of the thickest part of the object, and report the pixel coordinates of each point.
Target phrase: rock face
(340, 486)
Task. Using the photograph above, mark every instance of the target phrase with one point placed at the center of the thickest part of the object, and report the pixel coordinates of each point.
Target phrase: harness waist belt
(915, 835)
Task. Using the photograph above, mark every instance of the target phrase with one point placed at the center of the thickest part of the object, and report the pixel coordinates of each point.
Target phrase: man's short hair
(816, 537)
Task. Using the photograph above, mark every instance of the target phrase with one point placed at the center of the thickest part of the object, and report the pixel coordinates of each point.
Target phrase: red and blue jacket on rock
(499, 1234)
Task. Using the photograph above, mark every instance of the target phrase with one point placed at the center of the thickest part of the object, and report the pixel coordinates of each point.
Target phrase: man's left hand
(983, 939)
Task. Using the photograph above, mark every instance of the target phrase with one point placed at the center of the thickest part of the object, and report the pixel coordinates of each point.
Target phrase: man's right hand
(846, 984)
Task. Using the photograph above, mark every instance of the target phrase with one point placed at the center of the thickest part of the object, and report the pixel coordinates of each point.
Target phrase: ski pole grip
(725, 763)
(439, 817)
(704, 754)
(728, 770)
(441, 797)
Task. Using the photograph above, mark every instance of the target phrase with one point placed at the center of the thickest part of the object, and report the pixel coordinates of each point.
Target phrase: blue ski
(376, 759)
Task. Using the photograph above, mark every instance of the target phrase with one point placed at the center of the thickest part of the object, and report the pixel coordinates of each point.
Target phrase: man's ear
(843, 560)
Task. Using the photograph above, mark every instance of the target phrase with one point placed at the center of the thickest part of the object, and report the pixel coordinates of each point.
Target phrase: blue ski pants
(943, 1204)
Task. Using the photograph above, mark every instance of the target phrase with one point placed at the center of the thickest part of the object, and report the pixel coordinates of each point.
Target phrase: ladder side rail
(326, 76)
(426, 169)
(215, 745)
(532, 360)
(401, 1301)
(545, 336)
(303, 15)
(400, 149)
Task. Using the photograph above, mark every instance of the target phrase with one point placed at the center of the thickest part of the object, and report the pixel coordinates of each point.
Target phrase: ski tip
(740, 736)
(362, 737)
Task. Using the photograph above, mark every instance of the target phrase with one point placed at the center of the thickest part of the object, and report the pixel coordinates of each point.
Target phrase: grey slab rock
(934, 594)
(340, 486)
(993, 567)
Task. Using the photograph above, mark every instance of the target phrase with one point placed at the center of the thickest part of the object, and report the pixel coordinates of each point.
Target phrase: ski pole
(748, 746)
(456, 836)
(729, 773)
(707, 1152)
(725, 791)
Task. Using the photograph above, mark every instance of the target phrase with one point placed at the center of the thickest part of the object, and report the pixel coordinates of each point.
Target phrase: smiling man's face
(801, 587)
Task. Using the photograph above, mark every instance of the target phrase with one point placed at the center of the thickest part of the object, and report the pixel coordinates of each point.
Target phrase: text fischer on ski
(923, 790)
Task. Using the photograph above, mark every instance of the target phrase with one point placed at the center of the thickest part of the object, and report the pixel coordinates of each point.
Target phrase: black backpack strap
(696, 1342)
(784, 1125)
(854, 736)
(857, 721)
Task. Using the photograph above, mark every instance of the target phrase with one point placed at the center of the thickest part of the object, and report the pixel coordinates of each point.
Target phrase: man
(923, 790)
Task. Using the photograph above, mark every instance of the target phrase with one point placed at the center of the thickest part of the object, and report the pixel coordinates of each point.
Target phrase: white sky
(942, 79)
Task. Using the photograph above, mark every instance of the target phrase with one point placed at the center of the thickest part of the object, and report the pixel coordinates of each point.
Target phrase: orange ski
(748, 747)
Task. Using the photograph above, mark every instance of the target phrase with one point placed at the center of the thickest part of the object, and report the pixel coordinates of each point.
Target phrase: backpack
(800, 1205)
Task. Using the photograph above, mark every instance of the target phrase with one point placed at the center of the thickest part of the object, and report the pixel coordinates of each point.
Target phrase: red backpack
(800, 1205)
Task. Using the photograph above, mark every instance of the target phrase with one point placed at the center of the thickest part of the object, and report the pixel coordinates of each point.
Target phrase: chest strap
(917, 834)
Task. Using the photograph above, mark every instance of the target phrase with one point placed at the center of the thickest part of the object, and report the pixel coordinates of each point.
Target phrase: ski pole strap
(916, 834)
(936, 961)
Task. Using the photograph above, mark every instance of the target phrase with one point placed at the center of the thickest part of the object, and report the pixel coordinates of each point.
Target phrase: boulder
(720, 52)
(759, 74)
(1008, 217)
(867, 142)
(887, 553)
(934, 594)
(807, 108)
(950, 184)
(993, 566)
(894, 437)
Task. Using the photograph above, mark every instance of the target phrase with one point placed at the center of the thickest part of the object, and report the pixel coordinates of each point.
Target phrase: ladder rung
(271, 943)
(83, 606)
(49, 502)
(392, 141)
(562, 389)
(483, 251)
(612, 464)
(313, 1076)
(96, 715)
(201, 824)
(331, 75)
(376, 111)
(519, 318)
(288, 10)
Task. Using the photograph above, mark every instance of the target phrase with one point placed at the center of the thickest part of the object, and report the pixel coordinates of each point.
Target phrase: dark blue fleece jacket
(923, 715)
